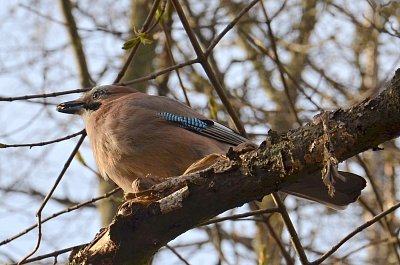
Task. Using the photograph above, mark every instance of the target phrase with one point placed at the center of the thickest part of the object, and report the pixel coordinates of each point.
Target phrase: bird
(133, 134)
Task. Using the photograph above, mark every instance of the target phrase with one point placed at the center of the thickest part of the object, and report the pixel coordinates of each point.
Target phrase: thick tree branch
(145, 224)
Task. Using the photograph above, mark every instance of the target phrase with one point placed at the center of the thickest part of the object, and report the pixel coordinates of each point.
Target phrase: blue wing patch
(205, 127)
(190, 123)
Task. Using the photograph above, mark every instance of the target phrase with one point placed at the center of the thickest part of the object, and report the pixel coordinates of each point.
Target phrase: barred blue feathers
(205, 127)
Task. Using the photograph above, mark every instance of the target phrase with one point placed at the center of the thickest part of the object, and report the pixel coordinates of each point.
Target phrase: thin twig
(280, 66)
(272, 57)
(367, 245)
(229, 27)
(177, 254)
(62, 23)
(371, 179)
(51, 254)
(30, 145)
(275, 236)
(356, 231)
(158, 73)
(47, 95)
(266, 221)
(241, 215)
(67, 210)
(207, 67)
(379, 200)
(144, 29)
(48, 196)
(36, 193)
(171, 56)
(292, 231)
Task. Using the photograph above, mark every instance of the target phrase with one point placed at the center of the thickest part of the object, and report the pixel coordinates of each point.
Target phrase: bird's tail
(347, 189)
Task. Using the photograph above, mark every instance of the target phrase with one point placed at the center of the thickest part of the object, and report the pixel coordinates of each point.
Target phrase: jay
(133, 135)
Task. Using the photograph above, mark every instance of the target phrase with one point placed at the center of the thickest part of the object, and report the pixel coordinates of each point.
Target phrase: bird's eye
(97, 94)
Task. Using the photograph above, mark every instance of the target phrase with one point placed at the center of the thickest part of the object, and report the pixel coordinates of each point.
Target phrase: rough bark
(145, 224)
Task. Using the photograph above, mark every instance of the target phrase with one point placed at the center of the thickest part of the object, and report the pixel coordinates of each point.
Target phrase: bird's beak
(71, 107)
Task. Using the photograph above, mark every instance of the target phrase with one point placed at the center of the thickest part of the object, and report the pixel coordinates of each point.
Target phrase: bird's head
(93, 99)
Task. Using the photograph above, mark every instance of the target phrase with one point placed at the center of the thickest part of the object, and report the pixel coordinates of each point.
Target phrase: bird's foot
(142, 186)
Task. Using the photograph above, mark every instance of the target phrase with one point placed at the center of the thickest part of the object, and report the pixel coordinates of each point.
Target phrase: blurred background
(316, 54)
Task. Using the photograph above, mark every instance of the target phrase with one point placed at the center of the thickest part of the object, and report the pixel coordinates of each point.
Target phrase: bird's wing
(204, 127)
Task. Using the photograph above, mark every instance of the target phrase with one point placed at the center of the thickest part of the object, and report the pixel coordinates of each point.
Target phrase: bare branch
(47, 95)
(207, 67)
(48, 196)
(30, 145)
(69, 209)
(355, 232)
(146, 26)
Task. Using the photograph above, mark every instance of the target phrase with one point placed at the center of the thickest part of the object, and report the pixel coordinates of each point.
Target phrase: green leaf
(142, 38)
(130, 43)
